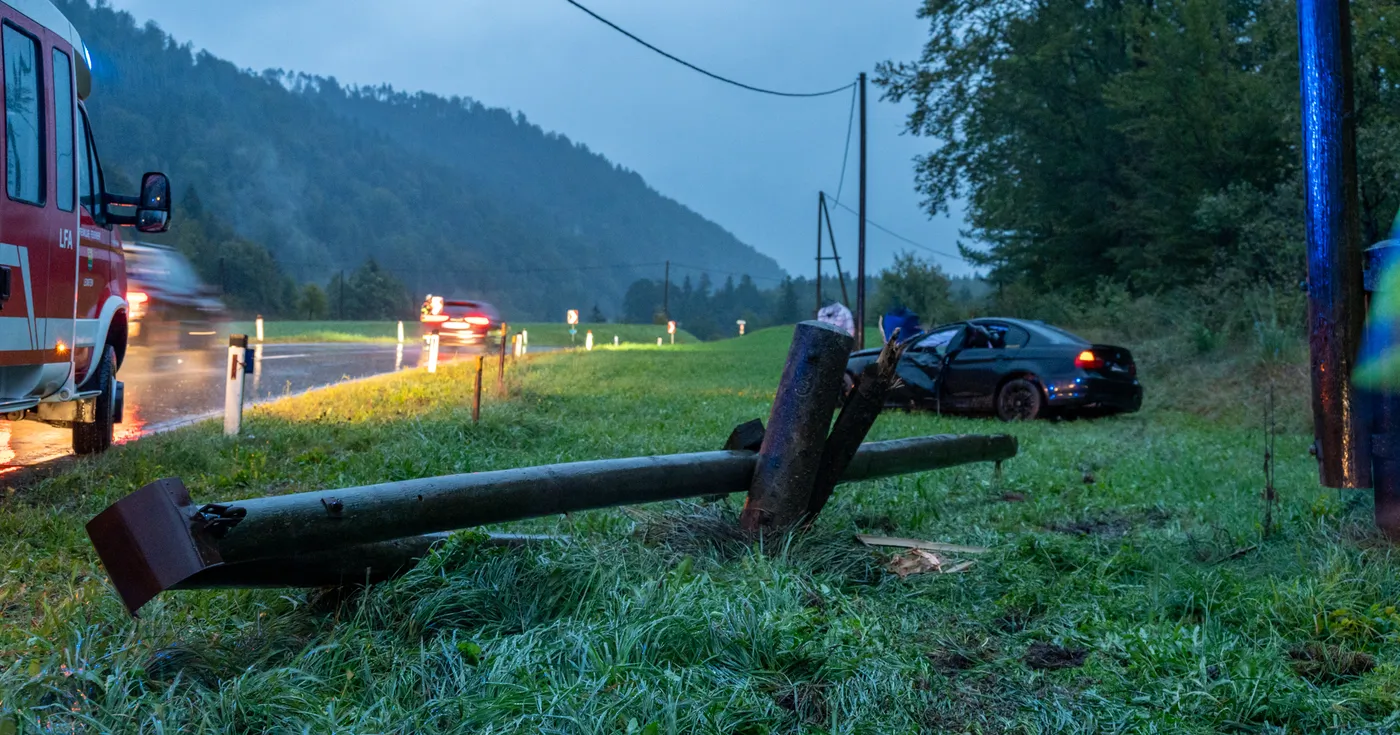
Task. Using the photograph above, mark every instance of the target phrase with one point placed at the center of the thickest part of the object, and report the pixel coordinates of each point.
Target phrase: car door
(975, 372)
(921, 368)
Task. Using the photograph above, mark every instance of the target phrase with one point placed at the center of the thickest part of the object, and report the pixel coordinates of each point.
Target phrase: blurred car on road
(1015, 368)
(458, 321)
(170, 305)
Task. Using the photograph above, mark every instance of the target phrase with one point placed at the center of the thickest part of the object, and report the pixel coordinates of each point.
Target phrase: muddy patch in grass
(806, 701)
(1326, 664)
(1044, 656)
(1111, 524)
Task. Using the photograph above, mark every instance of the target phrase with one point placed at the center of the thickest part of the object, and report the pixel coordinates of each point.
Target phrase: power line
(846, 152)
(710, 74)
(898, 236)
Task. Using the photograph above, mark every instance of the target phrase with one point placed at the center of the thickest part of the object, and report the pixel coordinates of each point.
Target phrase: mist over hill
(445, 195)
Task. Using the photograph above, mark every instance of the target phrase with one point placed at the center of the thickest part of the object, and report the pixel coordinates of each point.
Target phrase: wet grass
(1128, 588)
(542, 334)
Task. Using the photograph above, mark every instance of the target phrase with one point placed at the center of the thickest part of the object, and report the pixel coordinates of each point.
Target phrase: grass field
(541, 334)
(1128, 589)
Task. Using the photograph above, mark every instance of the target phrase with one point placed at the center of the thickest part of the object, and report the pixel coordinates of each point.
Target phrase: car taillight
(435, 318)
(1088, 360)
(137, 297)
(480, 321)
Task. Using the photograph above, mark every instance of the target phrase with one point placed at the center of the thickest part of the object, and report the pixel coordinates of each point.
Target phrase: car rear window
(1055, 335)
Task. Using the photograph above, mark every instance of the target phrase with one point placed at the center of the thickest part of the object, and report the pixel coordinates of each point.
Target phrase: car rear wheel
(96, 437)
(1019, 400)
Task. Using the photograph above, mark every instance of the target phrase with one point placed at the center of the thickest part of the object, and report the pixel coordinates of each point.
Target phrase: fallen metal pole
(157, 537)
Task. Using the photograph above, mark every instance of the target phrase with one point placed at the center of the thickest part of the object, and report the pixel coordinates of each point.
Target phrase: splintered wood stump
(862, 406)
(797, 426)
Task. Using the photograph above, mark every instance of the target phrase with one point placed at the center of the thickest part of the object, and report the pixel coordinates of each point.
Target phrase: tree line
(1145, 146)
(712, 312)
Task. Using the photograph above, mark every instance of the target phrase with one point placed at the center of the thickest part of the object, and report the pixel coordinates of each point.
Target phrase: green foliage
(1150, 143)
(448, 195)
(916, 284)
(312, 304)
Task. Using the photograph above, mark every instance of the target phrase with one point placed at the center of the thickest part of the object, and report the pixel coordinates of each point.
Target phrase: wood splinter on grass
(911, 543)
(919, 561)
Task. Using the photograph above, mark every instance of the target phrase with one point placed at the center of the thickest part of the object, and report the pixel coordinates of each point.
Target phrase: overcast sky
(750, 162)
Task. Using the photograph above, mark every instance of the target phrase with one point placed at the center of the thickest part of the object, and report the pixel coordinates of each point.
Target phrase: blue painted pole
(1335, 291)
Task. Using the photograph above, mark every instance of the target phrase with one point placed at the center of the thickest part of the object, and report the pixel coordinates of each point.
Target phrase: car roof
(1039, 330)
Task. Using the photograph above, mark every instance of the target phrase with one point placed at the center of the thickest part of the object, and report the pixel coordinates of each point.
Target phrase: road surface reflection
(169, 389)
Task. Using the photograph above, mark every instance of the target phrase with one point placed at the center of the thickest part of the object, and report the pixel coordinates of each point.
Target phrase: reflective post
(233, 390)
(398, 357)
(476, 392)
(259, 325)
(588, 341)
(616, 342)
(501, 369)
(433, 352)
(257, 368)
(400, 332)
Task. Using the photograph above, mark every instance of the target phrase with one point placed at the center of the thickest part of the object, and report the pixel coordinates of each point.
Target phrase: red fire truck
(63, 308)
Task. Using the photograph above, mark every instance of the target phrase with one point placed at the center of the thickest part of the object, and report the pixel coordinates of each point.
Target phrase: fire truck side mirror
(153, 210)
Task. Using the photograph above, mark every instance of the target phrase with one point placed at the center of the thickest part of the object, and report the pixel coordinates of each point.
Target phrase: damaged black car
(1018, 369)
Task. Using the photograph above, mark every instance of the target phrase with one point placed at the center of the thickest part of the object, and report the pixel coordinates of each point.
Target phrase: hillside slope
(447, 194)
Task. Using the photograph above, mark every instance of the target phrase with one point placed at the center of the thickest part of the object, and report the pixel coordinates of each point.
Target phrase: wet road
(169, 389)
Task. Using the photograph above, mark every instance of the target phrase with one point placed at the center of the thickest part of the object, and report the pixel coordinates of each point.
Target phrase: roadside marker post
(501, 370)
(615, 341)
(476, 393)
(524, 341)
(259, 324)
(658, 341)
(517, 343)
(233, 390)
(398, 357)
(742, 323)
(433, 352)
(400, 332)
(671, 329)
(588, 341)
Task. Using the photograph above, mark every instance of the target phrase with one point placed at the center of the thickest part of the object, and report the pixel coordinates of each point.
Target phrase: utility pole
(821, 205)
(666, 293)
(860, 258)
(1344, 443)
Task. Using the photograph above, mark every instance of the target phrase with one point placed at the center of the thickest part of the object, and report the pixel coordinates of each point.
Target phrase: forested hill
(447, 195)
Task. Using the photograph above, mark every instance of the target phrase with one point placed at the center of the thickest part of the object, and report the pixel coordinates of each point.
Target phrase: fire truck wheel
(96, 437)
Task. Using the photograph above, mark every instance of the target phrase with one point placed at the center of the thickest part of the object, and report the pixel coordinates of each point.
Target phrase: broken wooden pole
(862, 406)
(362, 564)
(158, 537)
(797, 426)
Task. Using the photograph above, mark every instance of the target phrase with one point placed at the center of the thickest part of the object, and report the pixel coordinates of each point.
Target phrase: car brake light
(480, 321)
(137, 297)
(1088, 360)
(435, 318)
